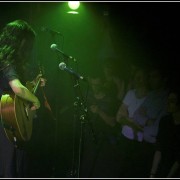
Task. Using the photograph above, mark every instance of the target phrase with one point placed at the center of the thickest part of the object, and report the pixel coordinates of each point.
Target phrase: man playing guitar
(16, 44)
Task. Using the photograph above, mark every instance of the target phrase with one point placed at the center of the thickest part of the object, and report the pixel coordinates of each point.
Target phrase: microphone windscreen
(53, 46)
(62, 65)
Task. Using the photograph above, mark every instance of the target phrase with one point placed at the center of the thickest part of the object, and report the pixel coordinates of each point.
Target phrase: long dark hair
(10, 41)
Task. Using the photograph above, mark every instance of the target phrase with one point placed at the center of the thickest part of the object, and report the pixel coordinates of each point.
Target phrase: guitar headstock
(41, 69)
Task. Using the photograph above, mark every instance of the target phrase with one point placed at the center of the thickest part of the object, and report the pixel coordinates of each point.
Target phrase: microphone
(54, 47)
(45, 29)
(63, 67)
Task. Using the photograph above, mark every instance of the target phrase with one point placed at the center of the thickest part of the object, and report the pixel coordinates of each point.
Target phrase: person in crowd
(150, 113)
(166, 161)
(102, 106)
(131, 136)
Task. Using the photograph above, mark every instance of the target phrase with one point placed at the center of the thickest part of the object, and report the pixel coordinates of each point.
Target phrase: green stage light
(74, 5)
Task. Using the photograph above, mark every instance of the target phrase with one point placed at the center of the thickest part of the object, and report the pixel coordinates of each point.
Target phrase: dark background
(128, 31)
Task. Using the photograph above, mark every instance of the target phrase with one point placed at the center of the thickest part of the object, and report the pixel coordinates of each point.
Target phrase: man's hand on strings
(42, 80)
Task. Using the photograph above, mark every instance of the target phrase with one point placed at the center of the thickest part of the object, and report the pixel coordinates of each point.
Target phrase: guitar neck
(39, 80)
(36, 86)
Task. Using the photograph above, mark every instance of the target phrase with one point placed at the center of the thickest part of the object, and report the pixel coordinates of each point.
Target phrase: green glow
(74, 4)
(72, 12)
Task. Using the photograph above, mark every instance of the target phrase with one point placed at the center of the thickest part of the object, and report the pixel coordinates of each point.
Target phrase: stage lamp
(73, 5)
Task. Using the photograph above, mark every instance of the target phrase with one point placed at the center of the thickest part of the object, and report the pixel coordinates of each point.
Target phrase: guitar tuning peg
(41, 69)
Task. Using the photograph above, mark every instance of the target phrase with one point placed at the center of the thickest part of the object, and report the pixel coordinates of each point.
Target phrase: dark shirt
(108, 104)
(168, 142)
(7, 74)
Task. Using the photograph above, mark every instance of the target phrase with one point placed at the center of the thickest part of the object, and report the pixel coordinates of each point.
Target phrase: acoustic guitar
(16, 116)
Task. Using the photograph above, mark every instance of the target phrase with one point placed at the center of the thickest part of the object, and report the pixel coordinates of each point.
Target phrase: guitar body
(17, 118)
(16, 115)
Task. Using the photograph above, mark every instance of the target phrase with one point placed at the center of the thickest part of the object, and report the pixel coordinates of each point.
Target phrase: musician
(16, 45)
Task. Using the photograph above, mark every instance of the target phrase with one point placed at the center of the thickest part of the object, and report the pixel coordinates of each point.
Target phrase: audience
(125, 108)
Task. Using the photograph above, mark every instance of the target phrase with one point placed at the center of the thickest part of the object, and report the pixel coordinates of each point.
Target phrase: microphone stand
(55, 125)
(81, 113)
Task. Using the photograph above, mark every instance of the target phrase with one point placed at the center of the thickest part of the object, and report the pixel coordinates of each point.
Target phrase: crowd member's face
(155, 80)
(172, 103)
(108, 72)
(96, 84)
(140, 79)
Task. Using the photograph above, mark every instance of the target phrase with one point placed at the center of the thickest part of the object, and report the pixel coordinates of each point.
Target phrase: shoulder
(131, 92)
(130, 95)
(10, 73)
